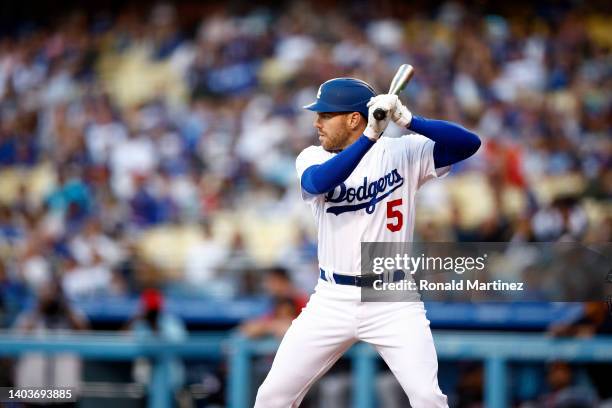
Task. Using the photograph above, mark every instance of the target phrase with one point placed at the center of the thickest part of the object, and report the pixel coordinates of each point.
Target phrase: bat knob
(379, 114)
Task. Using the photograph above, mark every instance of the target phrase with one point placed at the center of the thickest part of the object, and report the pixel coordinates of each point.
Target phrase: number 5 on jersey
(394, 213)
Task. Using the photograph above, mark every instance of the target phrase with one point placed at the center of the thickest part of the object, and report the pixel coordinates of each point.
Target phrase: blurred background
(148, 189)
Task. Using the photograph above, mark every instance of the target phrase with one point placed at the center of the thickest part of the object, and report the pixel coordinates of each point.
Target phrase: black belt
(360, 280)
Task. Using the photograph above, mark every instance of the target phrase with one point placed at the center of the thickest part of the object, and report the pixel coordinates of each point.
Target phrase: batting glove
(375, 128)
(401, 115)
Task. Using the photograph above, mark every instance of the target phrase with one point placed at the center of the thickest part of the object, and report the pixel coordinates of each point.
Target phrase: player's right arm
(324, 177)
(320, 178)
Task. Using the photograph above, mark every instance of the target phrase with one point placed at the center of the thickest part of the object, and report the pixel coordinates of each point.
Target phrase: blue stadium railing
(496, 350)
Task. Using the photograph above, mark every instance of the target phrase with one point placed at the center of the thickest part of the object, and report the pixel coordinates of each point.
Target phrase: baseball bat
(400, 79)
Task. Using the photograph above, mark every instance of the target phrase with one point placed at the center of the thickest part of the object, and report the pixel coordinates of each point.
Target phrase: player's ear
(353, 120)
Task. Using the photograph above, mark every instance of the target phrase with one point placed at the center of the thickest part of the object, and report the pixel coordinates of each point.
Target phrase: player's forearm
(453, 142)
(322, 178)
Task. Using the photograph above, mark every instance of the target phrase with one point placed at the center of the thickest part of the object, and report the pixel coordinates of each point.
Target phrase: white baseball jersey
(375, 204)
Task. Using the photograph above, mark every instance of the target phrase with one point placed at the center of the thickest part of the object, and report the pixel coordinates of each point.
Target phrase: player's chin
(325, 142)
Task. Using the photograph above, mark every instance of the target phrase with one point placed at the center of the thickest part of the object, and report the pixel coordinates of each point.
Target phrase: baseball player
(361, 188)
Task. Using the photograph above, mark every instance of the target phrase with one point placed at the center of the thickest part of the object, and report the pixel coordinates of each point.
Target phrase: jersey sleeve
(419, 151)
(309, 157)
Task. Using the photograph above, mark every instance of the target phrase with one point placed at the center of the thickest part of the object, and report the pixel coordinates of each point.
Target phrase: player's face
(333, 130)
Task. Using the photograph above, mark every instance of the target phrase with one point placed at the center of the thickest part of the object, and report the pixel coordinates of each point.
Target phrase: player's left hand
(401, 115)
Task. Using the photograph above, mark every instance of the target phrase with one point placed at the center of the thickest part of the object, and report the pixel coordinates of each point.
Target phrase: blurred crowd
(158, 144)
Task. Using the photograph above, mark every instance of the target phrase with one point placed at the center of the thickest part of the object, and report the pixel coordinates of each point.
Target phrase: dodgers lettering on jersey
(367, 194)
(375, 204)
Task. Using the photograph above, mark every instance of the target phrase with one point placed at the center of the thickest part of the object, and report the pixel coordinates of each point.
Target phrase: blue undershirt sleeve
(453, 143)
(324, 177)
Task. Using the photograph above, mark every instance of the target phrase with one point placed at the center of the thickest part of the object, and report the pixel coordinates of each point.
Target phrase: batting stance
(352, 154)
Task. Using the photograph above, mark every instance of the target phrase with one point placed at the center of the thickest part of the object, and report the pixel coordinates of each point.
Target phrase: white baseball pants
(332, 321)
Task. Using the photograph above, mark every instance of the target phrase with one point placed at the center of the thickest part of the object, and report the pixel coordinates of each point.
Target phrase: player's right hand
(375, 128)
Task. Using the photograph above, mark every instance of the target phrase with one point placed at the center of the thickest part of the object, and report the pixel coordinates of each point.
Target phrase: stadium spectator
(34, 265)
(564, 220)
(12, 295)
(595, 320)
(91, 242)
(287, 302)
(86, 280)
(152, 321)
(563, 392)
(52, 314)
(205, 259)
(470, 386)
(278, 284)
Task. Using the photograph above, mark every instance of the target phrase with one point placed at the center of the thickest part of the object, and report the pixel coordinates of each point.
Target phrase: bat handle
(380, 114)
(401, 78)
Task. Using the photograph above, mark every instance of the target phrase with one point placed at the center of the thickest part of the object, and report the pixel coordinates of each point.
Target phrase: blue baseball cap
(343, 95)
